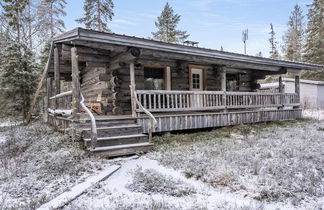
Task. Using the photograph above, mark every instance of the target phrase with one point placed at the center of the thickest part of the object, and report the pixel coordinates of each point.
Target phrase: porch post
(168, 78)
(57, 75)
(297, 90)
(76, 95)
(48, 95)
(281, 90)
(223, 84)
(132, 88)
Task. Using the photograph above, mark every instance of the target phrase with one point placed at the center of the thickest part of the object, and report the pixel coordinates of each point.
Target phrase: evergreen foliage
(97, 14)
(18, 75)
(314, 47)
(294, 36)
(13, 12)
(167, 27)
(273, 43)
(49, 13)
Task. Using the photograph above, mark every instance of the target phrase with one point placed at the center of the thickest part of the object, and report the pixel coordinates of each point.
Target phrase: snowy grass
(38, 164)
(144, 184)
(274, 162)
(151, 181)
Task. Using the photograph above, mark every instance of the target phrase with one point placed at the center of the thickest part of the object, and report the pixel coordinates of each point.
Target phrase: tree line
(27, 28)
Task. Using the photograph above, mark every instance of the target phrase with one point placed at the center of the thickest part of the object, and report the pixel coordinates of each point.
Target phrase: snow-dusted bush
(151, 181)
(270, 162)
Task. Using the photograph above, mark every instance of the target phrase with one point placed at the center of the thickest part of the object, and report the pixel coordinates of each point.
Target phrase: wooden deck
(164, 111)
(176, 122)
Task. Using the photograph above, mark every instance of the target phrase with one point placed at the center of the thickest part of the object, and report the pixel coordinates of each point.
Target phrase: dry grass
(274, 162)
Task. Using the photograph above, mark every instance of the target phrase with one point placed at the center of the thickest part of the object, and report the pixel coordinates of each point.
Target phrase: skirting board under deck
(174, 122)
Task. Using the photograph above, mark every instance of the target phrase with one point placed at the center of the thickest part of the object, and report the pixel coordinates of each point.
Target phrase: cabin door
(197, 85)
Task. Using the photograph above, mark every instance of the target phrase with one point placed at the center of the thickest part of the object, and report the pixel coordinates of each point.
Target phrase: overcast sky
(212, 23)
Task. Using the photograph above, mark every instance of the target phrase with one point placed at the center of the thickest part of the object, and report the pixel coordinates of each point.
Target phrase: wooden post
(168, 78)
(76, 96)
(48, 95)
(57, 72)
(297, 90)
(222, 72)
(281, 90)
(132, 88)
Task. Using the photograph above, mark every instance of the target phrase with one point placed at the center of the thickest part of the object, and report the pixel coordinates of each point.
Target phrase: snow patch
(316, 114)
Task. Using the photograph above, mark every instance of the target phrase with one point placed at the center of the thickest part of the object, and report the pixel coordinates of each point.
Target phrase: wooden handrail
(67, 93)
(94, 134)
(179, 101)
(152, 122)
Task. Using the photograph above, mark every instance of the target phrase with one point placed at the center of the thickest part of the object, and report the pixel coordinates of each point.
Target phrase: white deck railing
(174, 101)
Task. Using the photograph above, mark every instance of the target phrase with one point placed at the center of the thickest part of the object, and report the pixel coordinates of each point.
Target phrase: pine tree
(167, 27)
(50, 13)
(314, 48)
(273, 43)
(13, 12)
(294, 36)
(18, 74)
(97, 14)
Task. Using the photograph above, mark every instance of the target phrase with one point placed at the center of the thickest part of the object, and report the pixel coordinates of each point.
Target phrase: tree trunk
(99, 18)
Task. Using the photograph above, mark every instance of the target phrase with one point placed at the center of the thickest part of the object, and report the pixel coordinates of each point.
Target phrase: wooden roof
(84, 36)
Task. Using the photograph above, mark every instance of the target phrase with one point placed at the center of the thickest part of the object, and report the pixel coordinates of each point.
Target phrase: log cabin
(121, 89)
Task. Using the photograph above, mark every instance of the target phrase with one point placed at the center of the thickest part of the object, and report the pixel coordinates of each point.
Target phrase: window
(153, 78)
(196, 81)
(232, 82)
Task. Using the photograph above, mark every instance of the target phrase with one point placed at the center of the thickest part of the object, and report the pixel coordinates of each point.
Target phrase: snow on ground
(117, 191)
(316, 114)
(265, 166)
(37, 164)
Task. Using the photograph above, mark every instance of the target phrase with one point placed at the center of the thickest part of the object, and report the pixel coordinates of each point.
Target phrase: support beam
(297, 89)
(222, 73)
(132, 87)
(281, 90)
(210, 61)
(168, 78)
(281, 87)
(48, 95)
(76, 95)
(57, 71)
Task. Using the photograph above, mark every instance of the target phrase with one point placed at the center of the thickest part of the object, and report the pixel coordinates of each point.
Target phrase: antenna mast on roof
(245, 36)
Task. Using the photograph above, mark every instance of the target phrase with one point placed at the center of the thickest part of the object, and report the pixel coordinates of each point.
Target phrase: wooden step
(107, 122)
(117, 130)
(119, 140)
(121, 150)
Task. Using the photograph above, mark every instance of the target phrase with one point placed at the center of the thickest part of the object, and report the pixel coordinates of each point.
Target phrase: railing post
(297, 90)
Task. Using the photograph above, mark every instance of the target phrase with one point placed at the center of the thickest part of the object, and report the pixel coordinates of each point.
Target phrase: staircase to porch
(117, 136)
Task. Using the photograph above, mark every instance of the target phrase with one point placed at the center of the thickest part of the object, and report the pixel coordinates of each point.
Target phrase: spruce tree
(97, 14)
(167, 27)
(18, 74)
(294, 36)
(50, 13)
(13, 12)
(273, 43)
(314, 48)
